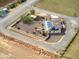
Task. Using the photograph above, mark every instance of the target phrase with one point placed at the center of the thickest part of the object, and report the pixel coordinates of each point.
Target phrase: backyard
(33, 26)
(67, 7)
(73, 51)
(30, 29)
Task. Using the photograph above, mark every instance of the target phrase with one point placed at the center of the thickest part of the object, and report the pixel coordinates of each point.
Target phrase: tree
(27, 19)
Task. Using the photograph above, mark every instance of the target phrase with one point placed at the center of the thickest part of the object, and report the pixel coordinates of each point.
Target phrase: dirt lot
(4, 2)
(13, 50)
(30, 28)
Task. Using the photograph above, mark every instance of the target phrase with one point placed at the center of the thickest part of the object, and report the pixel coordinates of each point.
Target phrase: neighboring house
(3, 12)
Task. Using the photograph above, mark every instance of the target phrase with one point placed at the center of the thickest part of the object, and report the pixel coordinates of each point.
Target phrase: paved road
(51, 47)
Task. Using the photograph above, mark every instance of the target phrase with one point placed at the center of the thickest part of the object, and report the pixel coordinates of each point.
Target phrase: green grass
(73, 50)
(67, 7)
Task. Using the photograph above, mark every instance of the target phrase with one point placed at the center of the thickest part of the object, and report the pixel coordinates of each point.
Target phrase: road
(54, 47)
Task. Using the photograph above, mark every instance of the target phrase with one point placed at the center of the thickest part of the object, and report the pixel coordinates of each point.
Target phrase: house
(50, 27)
(3, 12)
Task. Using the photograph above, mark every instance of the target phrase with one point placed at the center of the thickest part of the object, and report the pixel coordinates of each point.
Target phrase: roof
(3, 9)
(48, 25)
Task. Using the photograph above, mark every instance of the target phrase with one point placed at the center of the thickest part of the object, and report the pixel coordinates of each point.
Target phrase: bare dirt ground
(13, 50)
(4, 2)
(30, 28)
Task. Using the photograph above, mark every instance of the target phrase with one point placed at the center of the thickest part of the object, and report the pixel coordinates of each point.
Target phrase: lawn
(4, 2)
(73, 50)
(67, 7)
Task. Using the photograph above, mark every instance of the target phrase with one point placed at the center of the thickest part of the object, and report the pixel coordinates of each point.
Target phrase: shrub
(13, 5)
(32, 12)
(38, 18)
